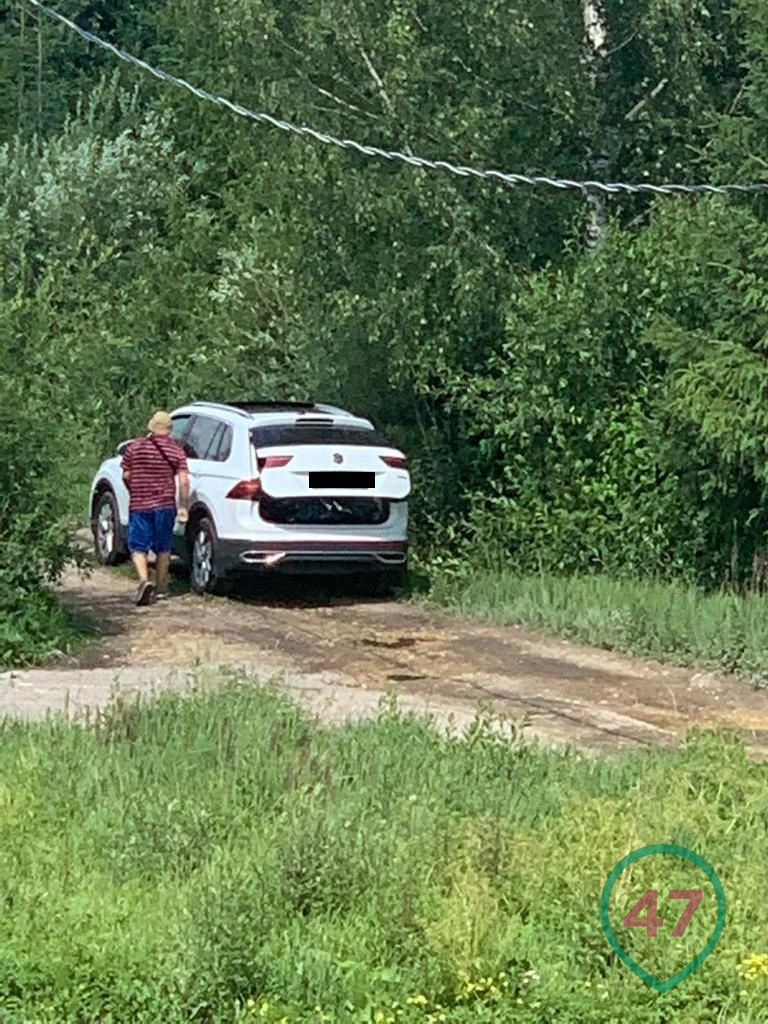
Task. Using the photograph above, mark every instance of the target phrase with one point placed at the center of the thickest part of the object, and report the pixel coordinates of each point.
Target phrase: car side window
(224, 449)
(213, 448)
(180, 424)
(220, 447)
(198, 441)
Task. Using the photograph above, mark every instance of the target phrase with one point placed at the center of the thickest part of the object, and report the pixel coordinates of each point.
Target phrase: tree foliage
(563, 409)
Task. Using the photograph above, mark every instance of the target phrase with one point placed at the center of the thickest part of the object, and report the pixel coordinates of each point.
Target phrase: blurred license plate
(326, 481)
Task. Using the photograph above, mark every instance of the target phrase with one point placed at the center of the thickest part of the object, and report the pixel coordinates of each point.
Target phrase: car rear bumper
(333, 557)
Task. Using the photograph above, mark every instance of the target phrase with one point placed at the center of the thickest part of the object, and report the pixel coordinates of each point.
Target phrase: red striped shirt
(153, 463)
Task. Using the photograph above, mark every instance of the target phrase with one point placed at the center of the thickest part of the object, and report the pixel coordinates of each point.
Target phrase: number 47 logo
(652, 922)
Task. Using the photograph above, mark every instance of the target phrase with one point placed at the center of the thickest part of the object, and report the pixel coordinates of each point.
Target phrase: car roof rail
(248, 408)
(220, 405)
(272, 405)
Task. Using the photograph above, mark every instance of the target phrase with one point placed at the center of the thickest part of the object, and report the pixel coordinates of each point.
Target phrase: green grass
(34, 627)
(221, 858)
(669, 621)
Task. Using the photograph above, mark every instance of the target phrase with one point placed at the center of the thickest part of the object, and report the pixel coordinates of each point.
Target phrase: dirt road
(339, 655)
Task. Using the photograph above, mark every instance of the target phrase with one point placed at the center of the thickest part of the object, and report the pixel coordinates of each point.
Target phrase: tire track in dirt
(340, 656)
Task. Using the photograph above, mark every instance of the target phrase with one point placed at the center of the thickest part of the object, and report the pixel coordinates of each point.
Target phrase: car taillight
(274, 461)
(395, 461)
(246, 490)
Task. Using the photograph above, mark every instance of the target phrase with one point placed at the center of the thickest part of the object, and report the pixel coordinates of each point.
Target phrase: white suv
(274, 487)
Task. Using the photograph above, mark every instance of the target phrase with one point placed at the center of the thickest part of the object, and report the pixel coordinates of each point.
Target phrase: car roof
(263, 412)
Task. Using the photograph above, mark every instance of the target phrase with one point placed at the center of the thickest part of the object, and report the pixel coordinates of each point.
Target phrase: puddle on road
(397, 642)
(393, 645)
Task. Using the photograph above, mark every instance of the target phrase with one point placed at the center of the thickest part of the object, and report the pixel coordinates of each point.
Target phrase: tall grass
(669, 621)
(34, 627)
(222, 858)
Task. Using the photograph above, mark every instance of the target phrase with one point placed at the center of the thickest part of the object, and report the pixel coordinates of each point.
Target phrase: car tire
(108, 545)
(205, 576)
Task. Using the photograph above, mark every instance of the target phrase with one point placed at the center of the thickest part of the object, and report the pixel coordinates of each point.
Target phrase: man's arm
(183, 514)
(126, 467)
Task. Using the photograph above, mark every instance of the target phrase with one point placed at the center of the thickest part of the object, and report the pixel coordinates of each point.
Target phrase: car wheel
(107, 542)
(205, 576)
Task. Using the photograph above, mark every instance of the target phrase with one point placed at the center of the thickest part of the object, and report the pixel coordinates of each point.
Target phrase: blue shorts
(151, 531)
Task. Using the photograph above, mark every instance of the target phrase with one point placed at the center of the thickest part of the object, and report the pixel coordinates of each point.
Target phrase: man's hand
(182, 515)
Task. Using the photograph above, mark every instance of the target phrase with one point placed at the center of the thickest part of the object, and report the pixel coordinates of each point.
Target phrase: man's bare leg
(139, 559)
(146, 589)
(162, 568)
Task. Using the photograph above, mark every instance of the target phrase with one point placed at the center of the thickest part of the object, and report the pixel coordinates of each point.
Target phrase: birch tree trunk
(596, 48)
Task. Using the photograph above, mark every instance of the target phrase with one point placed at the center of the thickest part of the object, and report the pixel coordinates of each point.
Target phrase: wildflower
(754, 966)
(418, 1000)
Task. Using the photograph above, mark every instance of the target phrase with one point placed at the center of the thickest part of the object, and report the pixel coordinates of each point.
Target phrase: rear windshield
(306, 433)
(325, 511)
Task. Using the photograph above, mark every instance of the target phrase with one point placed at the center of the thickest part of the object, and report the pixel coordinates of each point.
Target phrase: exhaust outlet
(267, 558)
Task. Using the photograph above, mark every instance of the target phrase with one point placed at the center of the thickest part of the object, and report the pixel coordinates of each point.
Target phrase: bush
(36, 514)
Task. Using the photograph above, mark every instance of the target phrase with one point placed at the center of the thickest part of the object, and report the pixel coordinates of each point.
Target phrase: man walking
(151, 466)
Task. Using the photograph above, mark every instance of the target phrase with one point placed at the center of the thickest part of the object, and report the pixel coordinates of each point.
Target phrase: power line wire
(534, 181)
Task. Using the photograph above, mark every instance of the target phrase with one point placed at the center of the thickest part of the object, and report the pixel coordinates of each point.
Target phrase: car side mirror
(122, 448)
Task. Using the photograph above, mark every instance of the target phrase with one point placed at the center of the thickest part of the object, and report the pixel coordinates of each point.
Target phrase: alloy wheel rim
(105, 537)
(201, 559)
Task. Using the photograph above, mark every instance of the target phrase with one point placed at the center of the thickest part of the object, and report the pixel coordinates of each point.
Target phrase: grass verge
(672, 622)
(35, 627)
(221, 858)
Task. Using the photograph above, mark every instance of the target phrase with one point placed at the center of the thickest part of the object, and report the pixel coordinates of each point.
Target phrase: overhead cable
(462, 170)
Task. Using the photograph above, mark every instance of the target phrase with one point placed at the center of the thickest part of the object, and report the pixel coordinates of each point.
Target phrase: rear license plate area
(332, 480)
